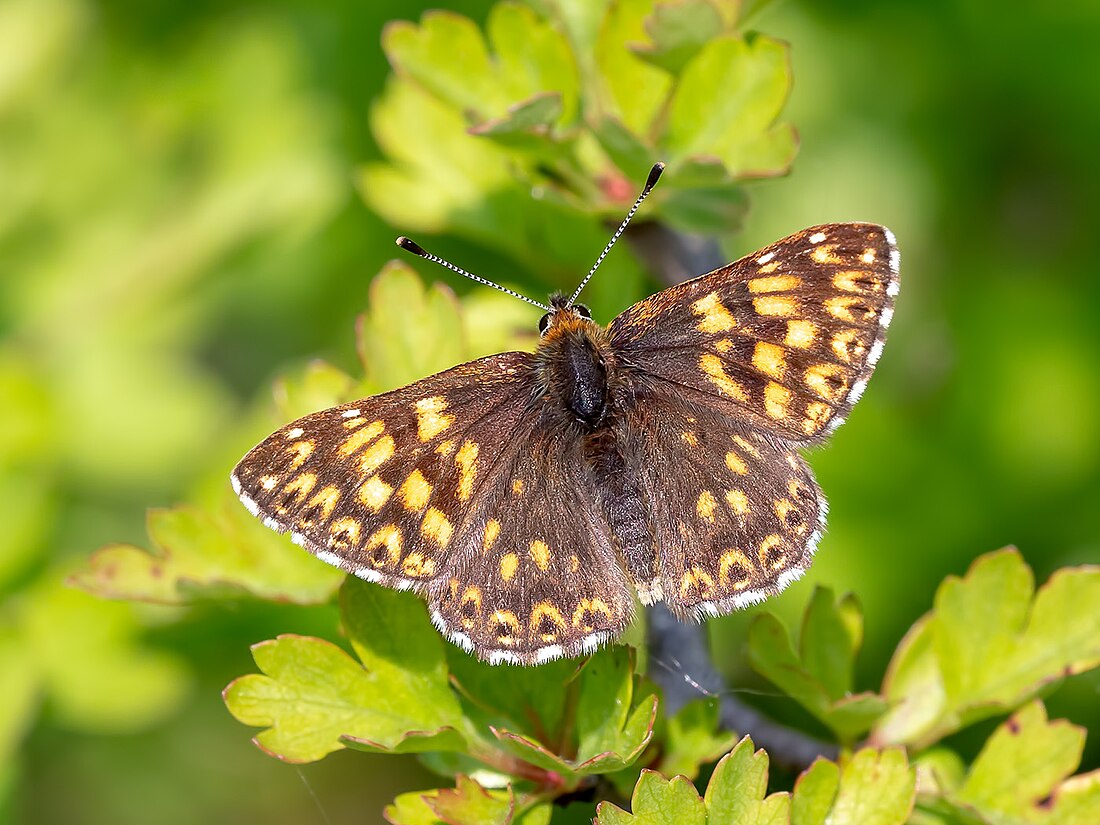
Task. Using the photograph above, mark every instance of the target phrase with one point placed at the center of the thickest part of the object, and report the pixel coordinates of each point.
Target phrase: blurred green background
(179, 221)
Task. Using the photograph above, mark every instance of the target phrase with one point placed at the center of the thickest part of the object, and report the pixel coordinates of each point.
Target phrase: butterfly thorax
(576, 370)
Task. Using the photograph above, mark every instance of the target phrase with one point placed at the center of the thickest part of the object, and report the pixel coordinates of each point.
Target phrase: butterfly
(533, 498)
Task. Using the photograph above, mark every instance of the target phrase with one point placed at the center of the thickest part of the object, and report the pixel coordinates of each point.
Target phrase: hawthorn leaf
(1021, 765)
(819, 676)
(876, 788)
(533, 58)
(412, 809)
(989, 644)
(409, 331)
(313, 698)
(613, 727)
(736, 794)
(631, 89)
(209, 554)
(832, 633)
(814, 793)
(447, 55)
(725, 105)
(677, 32)
(657, 801)
(470, 804)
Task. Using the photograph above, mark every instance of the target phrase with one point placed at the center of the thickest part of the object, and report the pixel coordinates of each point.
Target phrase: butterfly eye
(583, 311)
(544, 323)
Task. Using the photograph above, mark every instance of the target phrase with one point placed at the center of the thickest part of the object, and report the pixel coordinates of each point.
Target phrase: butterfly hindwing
(736, 513)
(783, 339)
(534, 575)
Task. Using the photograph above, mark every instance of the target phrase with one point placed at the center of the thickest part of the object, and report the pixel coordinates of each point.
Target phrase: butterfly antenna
(651, 181)
(417, 249)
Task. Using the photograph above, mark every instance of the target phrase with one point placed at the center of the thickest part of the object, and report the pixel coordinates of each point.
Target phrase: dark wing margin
(449, 487)
(785, 338)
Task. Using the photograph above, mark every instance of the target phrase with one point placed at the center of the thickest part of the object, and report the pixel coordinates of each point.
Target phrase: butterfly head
(563, 315)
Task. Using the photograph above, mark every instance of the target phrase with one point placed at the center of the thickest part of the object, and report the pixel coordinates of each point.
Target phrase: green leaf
(736, 793)
(630, 89)
(613, 727)
(525, 700)
(678, 31)
(988, 647)
(725, 106)
(819, 677)
(198, 554)
(692, 738)
(1075, 802)
(814, 793)
(533, 58)
(438, 177)
(832, 633)
(470, 804)
(657, 801)
(876, 788)
(939, 770)
(412, 809)
(314, 699)
(447, 55)
(1021, 765)
(627, 151)
(409, 331)
(534, 115)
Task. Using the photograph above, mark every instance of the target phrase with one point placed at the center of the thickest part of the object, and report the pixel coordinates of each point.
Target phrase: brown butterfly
(529, 496)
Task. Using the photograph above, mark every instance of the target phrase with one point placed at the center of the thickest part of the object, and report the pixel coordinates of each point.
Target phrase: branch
(680, 663)
(678, 653)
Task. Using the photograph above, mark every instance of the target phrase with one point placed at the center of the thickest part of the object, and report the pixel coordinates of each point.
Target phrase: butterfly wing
(535, 574)
(736, 514)
(451, 487)
(785, 338)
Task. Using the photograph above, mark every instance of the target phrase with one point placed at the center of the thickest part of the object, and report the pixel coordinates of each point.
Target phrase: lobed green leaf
(313, 698)
(1020, 774)
(657, 801)
(737, 788)
(199, 554)
(988, 646)
(819, 676)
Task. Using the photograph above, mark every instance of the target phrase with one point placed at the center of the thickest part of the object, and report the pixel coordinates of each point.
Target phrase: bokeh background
(179, 222)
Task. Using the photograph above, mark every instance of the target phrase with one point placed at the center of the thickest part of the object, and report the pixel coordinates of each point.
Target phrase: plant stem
(679, 661)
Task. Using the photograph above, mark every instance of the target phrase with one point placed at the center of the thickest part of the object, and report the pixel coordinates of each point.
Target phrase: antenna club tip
(410, 246)
(654, 175)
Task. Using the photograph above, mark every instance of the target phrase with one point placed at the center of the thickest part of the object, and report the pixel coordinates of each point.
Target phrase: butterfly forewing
(380, 486)
(785, 338)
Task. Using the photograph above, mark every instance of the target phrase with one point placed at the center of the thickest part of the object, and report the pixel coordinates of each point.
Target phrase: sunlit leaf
(819, 676)
(989, 645)
(657, 801)
(313, 698)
